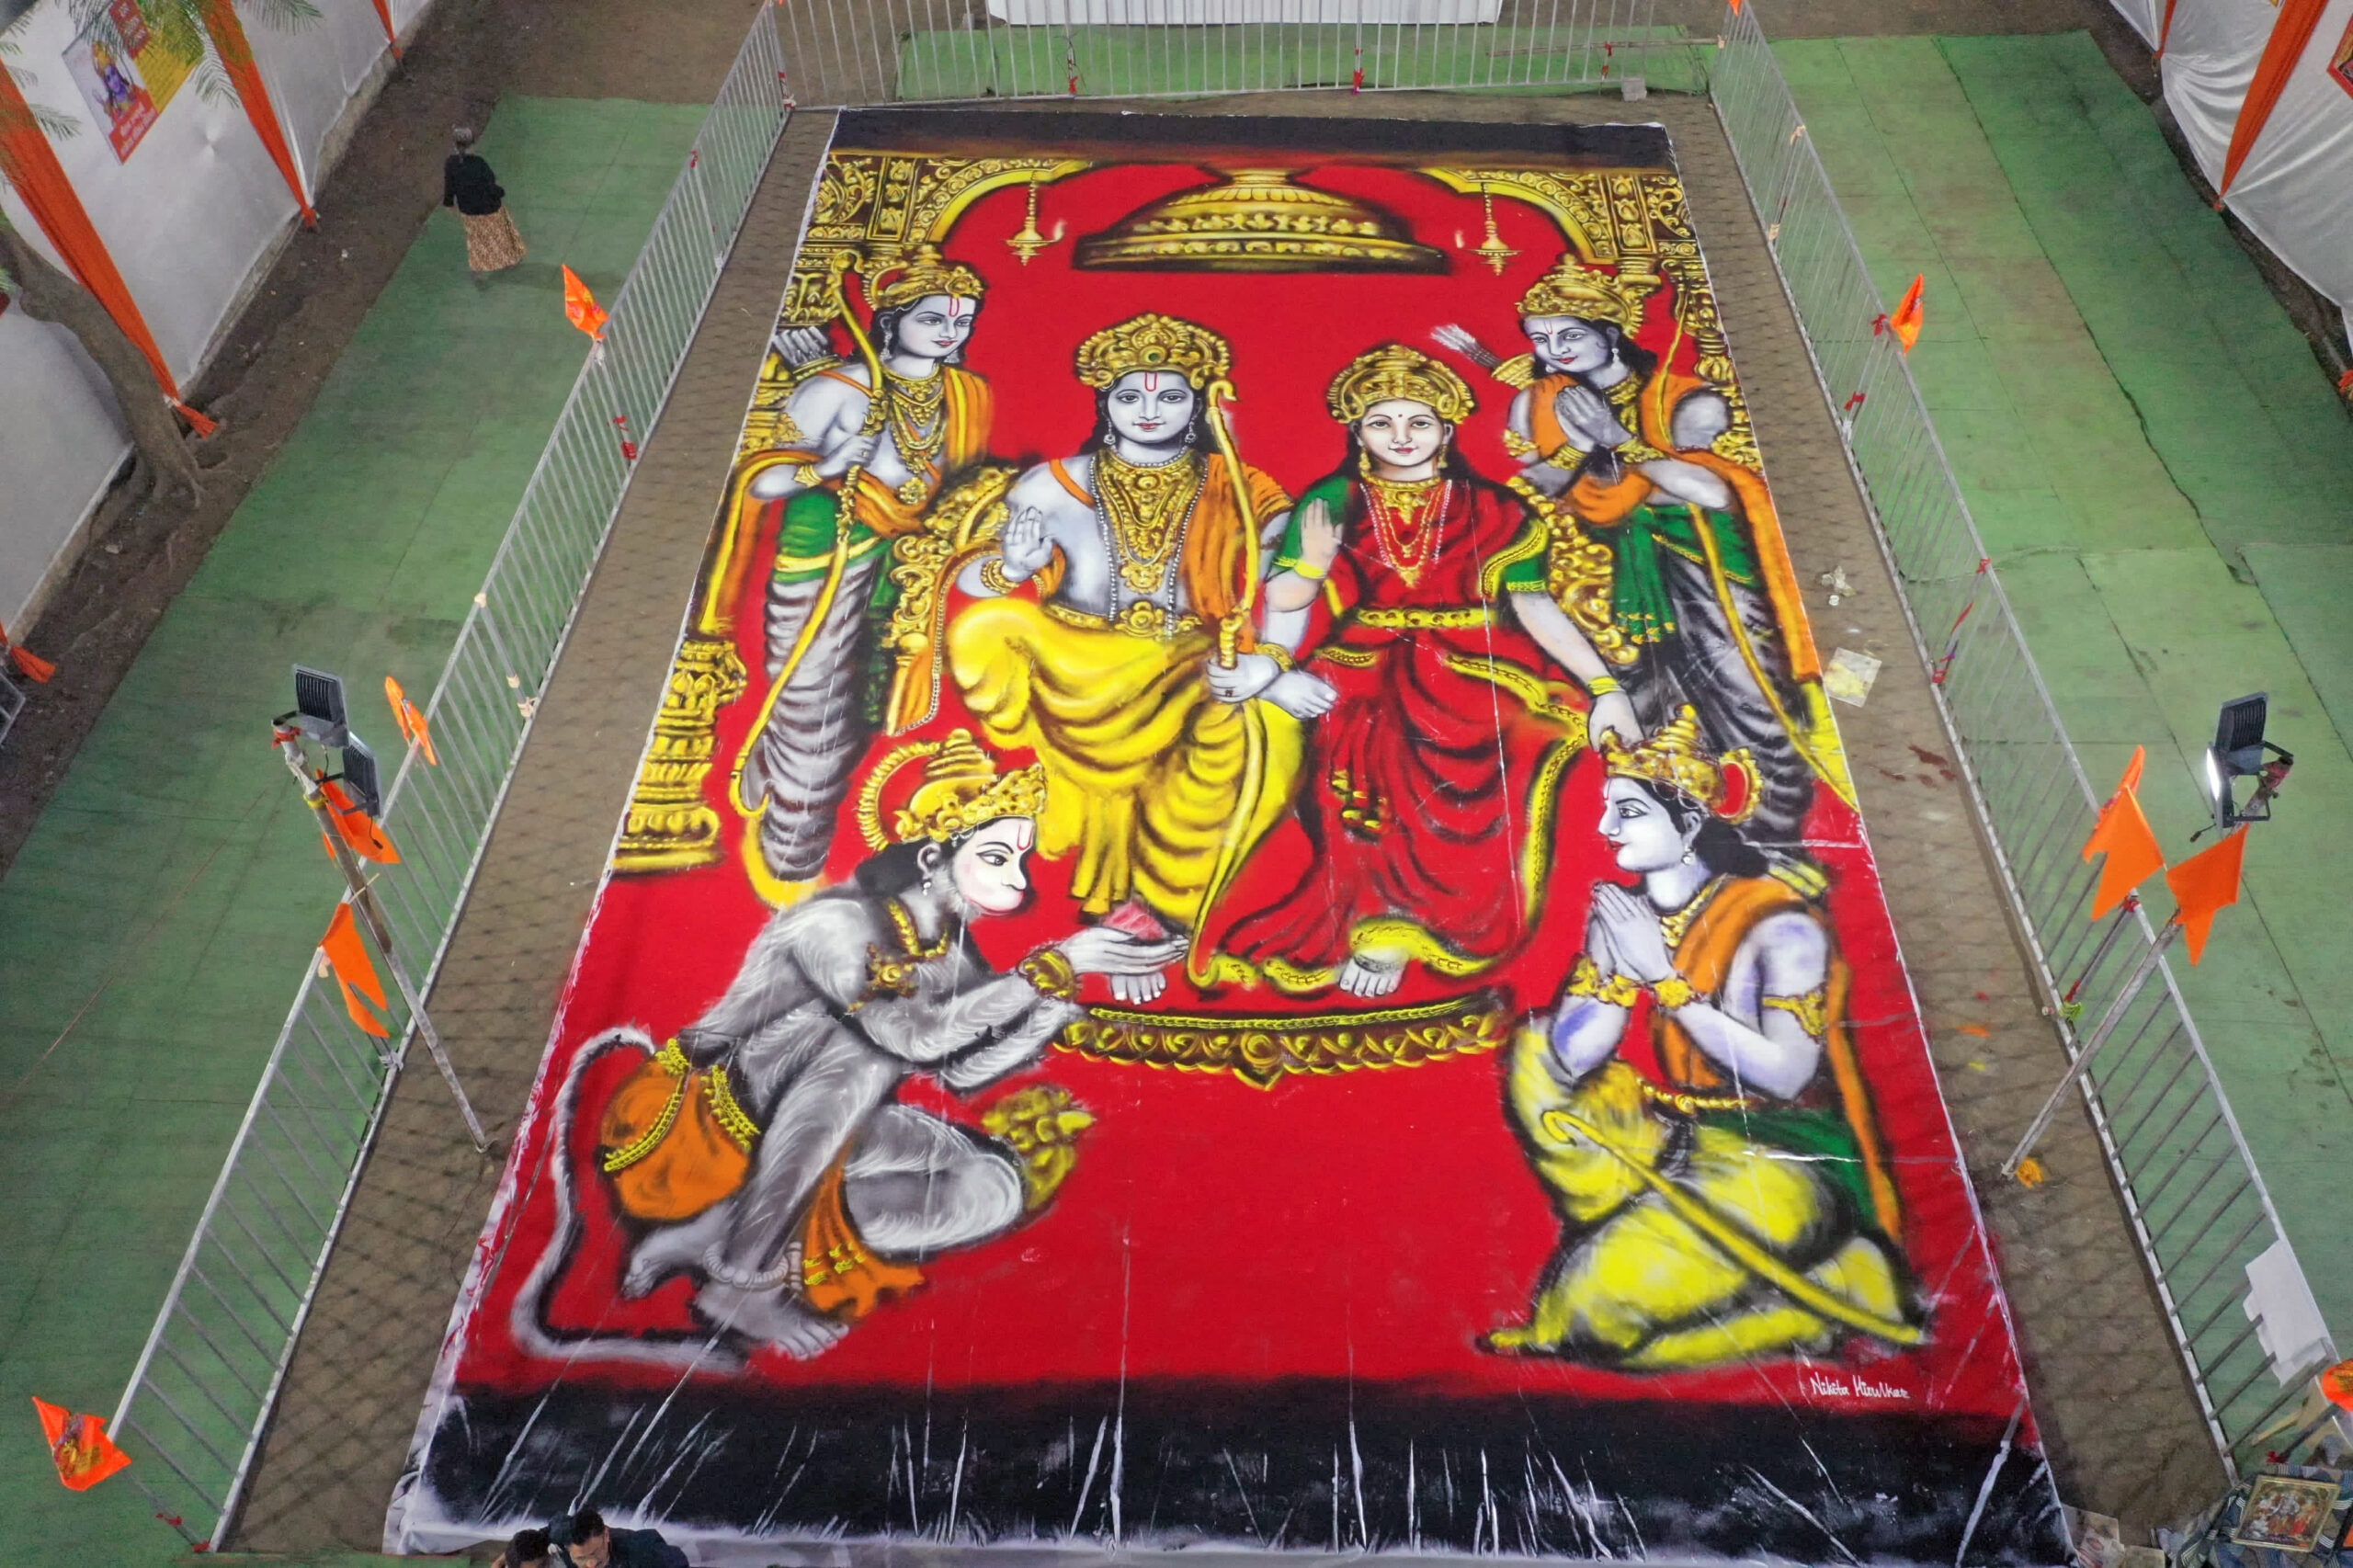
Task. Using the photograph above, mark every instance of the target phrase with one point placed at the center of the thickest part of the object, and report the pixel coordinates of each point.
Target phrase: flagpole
(2099, 1037)
(362, 897)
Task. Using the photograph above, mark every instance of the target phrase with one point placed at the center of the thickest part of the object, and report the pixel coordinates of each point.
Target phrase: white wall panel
(60, 441)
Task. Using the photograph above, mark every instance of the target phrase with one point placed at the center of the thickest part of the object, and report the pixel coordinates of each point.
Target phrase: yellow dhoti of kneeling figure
(1145, 770)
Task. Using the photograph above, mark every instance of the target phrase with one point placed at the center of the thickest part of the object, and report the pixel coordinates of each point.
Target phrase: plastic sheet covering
(1391, 1213)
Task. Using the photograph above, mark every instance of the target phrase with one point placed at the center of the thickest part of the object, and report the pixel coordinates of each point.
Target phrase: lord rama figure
(1098, 616)
(1701, 578)
(857, 474)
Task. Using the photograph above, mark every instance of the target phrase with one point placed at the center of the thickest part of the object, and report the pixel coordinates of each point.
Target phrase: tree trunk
(47, 293)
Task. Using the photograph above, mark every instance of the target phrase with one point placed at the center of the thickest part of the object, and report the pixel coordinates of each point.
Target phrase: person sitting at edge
(528, 1549)
(587, 1541)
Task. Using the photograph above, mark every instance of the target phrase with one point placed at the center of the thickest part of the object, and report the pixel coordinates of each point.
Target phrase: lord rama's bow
(1200, 963)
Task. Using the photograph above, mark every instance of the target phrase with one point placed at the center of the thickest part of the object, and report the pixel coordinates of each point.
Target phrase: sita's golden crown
(1677, 758)
(922, 273)
(1153, 342)
(1572, 289)
(962, 790)
(1393, 370)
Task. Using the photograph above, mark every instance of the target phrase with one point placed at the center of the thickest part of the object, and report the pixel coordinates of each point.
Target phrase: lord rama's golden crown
(1258, 221)
(1572, 289)
(1675, 758)
(921, 273)
(1393, 370)
(1153, 342)
(962, 790)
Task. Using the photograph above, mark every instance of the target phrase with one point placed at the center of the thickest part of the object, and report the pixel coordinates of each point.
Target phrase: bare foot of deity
(1370, 974)
(672, 1249)
(770, 1315)
(1137, 989)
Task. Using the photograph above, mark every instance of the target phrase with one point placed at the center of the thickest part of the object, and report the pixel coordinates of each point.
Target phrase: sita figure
(841, 999)
(1743, 1203)
(1431, 832)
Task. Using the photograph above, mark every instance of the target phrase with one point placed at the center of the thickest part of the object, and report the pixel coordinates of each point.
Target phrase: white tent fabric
(2210, 56)
(2295, 189)
(2292, 190)
(59, 446)
(189, 216)
(2146, 16)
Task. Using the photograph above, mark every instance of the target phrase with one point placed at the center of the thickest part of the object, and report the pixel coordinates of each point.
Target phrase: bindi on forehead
(956, 309)
(1151, 380)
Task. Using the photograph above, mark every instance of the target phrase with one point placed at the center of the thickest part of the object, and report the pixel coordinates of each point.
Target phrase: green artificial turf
(2165, 481)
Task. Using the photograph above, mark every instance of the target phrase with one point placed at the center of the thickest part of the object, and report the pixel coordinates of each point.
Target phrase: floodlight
(2239, 752)
(359, 775)
(319, 711)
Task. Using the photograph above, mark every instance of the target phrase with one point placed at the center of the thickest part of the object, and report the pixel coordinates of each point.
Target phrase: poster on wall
(129, 71)
(1245, 922)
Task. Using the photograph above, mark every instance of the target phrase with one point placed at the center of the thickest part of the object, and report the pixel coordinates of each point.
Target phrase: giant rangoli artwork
(1243, 922)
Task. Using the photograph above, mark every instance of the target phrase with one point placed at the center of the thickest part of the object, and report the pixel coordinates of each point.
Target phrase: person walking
(469, 184)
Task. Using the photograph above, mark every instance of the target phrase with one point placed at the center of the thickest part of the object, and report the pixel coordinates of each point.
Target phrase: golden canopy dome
(1258, 221)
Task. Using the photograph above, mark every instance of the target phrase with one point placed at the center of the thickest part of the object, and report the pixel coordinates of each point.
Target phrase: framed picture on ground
(2285, 1513)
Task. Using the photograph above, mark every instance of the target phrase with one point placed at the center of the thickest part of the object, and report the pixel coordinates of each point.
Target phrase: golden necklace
(895, 975)
(1675, 925)
(914, 408)
(1146, 510)
(1407, 527)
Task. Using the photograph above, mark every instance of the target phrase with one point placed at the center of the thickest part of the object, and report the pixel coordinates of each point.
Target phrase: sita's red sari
(1428, 794)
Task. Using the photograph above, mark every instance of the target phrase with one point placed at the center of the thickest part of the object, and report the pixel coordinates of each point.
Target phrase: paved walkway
(2165, 481)
(152, 928)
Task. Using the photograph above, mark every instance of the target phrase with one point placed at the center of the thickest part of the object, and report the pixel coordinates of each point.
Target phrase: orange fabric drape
(2290, 35)
(237, 58)
(2165, 28)
(31, 166)
(391, 35)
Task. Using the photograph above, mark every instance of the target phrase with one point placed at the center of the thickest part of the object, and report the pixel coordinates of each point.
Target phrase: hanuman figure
(858, 473)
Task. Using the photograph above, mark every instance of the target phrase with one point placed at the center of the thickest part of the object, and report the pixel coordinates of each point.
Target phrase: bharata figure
(1429, 803)
(1768, 1219)
(1097, 623)
(842, 998)
(857, 474)
(1700, 577)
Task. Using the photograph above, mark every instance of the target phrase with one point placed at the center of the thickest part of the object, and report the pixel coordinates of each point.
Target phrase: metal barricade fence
(867, 51)
(2196, 1201)
(203, 1389)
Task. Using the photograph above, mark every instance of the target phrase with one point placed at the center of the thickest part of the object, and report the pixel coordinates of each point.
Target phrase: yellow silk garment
(1145, 770)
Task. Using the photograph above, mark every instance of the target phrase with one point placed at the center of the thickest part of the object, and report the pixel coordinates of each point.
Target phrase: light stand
(318, 715)
(2239, 752)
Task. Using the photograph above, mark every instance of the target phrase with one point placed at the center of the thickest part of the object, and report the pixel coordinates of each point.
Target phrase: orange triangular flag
(1909, 316)
(412, 722)
(2337, 1384)
(354, 970)
(358, 829)
(29, 664)
(2123, 834)
(580, 307)
(2207, 884)
(78, 1446)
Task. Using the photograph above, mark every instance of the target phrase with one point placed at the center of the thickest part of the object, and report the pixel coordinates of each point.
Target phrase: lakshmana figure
(833, 550)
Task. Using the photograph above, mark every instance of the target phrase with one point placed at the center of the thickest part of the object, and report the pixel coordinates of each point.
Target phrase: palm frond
(282, 16)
